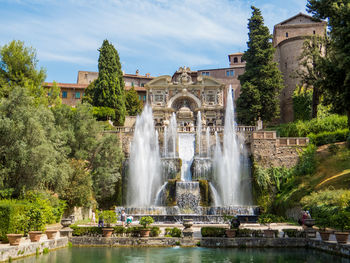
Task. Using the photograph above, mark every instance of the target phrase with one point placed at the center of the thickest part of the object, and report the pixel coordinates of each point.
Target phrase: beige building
(288, 39)
(72, 93)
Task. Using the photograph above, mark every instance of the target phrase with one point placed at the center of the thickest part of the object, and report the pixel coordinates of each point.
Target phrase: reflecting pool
(182, 255)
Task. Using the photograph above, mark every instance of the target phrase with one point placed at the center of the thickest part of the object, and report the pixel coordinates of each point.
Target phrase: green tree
(31, 156)
(337, 66)
(132, 102)
(108, 89)
(262, 81)
(18, 67)
(311, 70)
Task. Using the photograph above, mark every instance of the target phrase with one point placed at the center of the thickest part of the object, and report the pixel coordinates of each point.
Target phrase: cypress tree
(262, 81)
(108, 89)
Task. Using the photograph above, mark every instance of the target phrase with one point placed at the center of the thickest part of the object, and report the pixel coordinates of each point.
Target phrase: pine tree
(108, 89)
(132, 102)
(262, 81)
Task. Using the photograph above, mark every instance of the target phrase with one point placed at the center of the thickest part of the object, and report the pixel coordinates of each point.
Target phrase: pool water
(183, 255)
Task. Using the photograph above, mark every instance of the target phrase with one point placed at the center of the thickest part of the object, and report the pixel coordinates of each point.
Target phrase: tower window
(286, 34)
(314, 32)
(235, 60)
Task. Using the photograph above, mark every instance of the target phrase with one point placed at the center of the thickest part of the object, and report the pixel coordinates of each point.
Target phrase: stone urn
(187, 231)
(66, 222)
(309, 222)
(51, 234)
(14, 239)
(35, 236)
(231, 233)
(107, 231)
(269, 233)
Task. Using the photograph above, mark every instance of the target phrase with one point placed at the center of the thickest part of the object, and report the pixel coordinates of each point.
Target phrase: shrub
(119, 230)
(146, 220)
(86, 231)
(155, 231)
(210, 231)
(133, 231)
(293, 233)
(13, 220)
(333, 148)
(257, 233)
(329, 137)
(341, 220)
(172, 232)
(109, 217)
(270, 218)
(307, 161)
(103, 113)
(36, 218)
(242, 232)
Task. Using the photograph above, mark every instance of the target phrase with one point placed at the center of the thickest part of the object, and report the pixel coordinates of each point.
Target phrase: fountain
(189, 181)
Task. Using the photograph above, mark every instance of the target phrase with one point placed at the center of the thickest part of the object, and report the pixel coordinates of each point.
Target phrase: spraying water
(199, 132)
(165, 141)
(207, 136)
(227, 162)
(186, 154)
(144, 164)
(173, 134)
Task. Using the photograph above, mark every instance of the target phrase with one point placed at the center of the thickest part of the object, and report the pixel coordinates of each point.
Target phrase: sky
(153, 36)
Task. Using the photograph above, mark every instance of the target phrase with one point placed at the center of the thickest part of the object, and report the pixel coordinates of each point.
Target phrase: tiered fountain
(195, 178)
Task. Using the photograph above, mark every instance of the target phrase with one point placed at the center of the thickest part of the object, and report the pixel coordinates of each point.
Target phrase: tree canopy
(108, 89)
(262, 81)
(337, 65)
(132, 102)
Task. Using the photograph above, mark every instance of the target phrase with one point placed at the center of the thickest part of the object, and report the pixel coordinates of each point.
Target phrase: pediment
(209, 81)
(159, 81)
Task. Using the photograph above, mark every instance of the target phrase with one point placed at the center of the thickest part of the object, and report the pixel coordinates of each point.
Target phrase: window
(139, 97)
(230, 73)
(314, 32)
(132, 84)
(142, 84)
(144, 97)
(77, 95)
(235, 60)
(64, 94)
(158, 98)
(205, 73)
(286, 34)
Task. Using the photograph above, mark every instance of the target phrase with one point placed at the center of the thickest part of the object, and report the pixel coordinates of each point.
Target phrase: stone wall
(27, 248)
(270, 151)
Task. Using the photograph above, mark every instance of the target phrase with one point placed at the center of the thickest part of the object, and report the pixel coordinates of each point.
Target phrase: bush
(327, 137)
(119, 230)
(109, 217)
(146, 220)
(333, 148)
(103, 113)
(348, 141)
(302, 102)
(36, 218)
(155, 231)
(12, 217)
(86, 231)
(133, 231)
(172, 232)
(210, 231)
(293, 233)
(242, 232)
(270, 218)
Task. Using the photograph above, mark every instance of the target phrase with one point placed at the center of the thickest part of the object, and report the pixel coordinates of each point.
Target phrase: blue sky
(154, 36)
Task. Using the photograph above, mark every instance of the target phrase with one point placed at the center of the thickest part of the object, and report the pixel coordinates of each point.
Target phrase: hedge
(210, 231)
(329, 137)
(293, 233)
(10, 213)
(173, 232)
(86, 231)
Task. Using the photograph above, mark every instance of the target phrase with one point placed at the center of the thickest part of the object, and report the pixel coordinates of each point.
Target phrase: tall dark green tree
(337, 66)
(132, 102)
(262, 81)
(108, 89)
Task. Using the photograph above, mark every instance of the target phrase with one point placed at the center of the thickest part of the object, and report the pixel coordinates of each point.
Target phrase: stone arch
(194, 101)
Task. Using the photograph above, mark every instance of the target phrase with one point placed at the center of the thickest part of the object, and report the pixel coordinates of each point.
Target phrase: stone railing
(212, 129)
(284, 141)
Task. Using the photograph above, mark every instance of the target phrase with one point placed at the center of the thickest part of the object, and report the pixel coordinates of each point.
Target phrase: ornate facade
(185, 97)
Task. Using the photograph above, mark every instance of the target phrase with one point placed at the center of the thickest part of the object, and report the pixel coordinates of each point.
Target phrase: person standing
(100, 219)
(93, 217)
(123, 217)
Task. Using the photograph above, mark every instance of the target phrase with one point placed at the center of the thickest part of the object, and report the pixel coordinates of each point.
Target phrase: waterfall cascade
(199, 132)
(186, 154)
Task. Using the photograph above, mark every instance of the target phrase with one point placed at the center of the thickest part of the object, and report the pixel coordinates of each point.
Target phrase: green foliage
(333, 148)
(329, 137)
(325, 205)
(307, 161)
(108, 89)
(46, 250)
(36, 218)
(109, 217)
(155, 231)
(146, 220)
(270, 218)
(262, 81)
(103, 113)
(329, 123)
(213, 231)
(302, 100)
(243, 232)
(204, 192)
(18, 67)
(348, 141)
(86, 231)
(132, 102)
(293, 233)
(12, 217)
(133, 231)
(119, 230)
